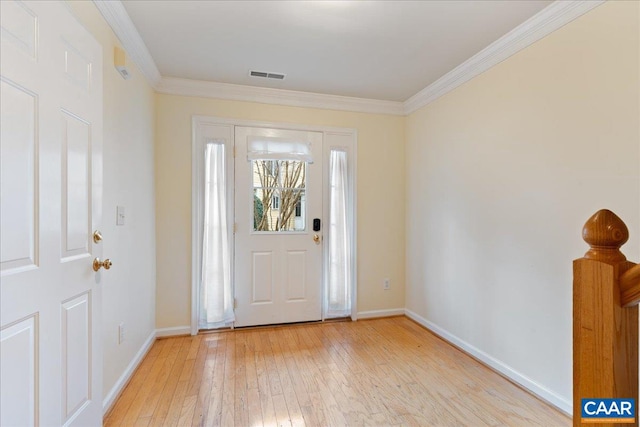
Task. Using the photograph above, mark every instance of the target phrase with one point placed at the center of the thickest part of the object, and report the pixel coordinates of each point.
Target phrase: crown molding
(206, 89)
(551, 18)
(116, 15)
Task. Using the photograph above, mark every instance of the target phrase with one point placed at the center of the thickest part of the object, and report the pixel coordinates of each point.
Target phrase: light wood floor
(384, 372)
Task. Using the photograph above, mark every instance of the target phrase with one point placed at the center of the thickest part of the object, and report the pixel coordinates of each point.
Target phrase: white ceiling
(384, 50)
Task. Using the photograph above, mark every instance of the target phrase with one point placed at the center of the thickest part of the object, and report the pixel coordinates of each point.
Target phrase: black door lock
(316, 224)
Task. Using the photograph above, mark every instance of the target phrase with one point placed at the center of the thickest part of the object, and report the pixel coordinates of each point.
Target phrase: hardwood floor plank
(211, 345)
(241, 407)
(188, 407)
(254, 407)
(250, 361)
(264, 390)
(142, 422)
(214, 411)
(382, 372)
(166, 397)
(190, 361)
(156, 389)
(195, 346)
(227, 417)
(269, 360)
(317, 409)
(289, 393)
(197, 375)
(282, 413)
(175, 407)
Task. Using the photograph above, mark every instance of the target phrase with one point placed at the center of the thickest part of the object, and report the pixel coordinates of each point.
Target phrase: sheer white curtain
(338, 295)
(216, 297)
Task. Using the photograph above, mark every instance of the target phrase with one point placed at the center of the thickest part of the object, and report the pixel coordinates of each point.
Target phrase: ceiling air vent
(266, 75)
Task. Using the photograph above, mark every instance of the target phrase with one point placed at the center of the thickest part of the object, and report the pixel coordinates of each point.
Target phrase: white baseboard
(173, 331)
(539, 390)
(126, 375)
(371, 314)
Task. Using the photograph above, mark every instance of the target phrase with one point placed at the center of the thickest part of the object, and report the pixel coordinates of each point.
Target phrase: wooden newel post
(605, 335)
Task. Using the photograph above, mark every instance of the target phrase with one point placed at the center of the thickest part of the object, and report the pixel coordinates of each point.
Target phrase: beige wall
(502, 173)
(128, 289)
(380, 197)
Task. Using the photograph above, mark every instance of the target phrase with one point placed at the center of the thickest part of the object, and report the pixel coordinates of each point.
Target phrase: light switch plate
(120, 215)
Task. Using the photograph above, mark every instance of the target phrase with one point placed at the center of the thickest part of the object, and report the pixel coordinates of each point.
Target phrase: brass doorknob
(106, 264)
(97, 237)
(316, 238)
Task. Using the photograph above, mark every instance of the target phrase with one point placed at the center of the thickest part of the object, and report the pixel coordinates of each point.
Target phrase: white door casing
(278, 275)
(207, 128)
(205, 131)
(51, 154)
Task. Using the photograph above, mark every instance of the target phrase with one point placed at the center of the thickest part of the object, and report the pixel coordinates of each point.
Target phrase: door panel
(18, 179)
(295, 277)
(19, 355)
(76, 186)
(51, 122)
(278, 265)
(76, 350)
(262, 278)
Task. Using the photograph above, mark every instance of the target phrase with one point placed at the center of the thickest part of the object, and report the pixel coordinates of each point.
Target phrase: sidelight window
(216, 296)
(340, 261)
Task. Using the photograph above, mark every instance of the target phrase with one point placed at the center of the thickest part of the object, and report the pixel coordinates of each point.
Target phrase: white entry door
(278, 254)
(51, 168)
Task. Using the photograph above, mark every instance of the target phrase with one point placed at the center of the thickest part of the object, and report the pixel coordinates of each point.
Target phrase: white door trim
(198, 122)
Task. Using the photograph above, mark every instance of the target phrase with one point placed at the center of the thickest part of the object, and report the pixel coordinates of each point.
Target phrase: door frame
(348, 141)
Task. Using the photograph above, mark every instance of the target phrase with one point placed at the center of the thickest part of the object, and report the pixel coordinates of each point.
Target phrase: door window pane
(279, 195)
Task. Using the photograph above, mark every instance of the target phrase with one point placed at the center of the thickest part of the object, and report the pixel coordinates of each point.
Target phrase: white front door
(278, 255)
(51, 166)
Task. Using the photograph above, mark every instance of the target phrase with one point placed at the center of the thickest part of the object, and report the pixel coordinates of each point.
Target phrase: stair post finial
(605, 233)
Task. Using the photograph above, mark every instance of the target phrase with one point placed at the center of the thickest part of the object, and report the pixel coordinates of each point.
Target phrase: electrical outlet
(121, 333)
(386, 284)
